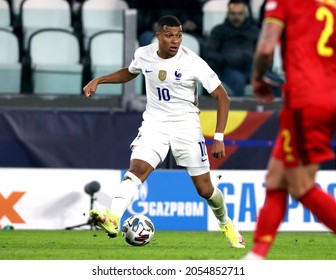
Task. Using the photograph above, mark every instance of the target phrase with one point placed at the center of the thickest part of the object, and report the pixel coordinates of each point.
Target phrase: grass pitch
(166, 245)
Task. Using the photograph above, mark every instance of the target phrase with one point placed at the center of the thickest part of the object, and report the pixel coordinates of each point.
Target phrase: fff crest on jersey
(162, 75)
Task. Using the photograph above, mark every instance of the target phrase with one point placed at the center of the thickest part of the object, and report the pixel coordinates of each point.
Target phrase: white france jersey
(171, 84)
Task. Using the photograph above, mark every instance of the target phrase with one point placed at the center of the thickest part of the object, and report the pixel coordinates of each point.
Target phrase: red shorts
(305, 136)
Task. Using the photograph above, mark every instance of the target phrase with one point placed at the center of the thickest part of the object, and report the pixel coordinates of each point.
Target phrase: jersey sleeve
(209, 79)
(135, 67)
(275, 9)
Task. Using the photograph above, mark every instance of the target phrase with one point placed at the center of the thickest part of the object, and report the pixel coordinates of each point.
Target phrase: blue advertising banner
(170, 200)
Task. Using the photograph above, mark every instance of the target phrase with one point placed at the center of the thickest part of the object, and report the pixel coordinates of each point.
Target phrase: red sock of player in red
(322, 205)
(270, 217)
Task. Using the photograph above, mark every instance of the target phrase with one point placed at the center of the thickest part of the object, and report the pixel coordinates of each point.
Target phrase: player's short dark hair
(169, 21)
(238, 2)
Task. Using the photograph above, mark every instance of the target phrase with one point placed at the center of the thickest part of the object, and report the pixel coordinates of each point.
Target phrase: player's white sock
(125, 194)
(218, 207)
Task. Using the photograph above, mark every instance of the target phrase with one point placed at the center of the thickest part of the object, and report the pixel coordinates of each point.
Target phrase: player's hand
(90, 88)
(263, 90)
(218, 149)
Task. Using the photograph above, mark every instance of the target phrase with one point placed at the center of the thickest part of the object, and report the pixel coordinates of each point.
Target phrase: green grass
(172, 245)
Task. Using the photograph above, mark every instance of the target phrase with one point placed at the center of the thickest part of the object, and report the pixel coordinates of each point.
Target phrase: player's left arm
(223, 106)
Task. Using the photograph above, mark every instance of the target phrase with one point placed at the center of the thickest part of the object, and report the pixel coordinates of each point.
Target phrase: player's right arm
(269, 37)
(223, 106)
(120, 76)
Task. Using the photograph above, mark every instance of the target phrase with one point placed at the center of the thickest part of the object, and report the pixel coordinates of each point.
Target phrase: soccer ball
(138, 230)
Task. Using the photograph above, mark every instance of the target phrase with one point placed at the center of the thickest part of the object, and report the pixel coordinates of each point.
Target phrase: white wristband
(219, 136)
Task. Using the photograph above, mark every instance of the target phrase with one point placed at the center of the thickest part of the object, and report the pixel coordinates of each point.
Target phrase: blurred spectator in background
(149, 11)
(230, 47)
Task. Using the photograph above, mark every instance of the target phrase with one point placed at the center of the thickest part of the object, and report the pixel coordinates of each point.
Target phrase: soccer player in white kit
(170, 121)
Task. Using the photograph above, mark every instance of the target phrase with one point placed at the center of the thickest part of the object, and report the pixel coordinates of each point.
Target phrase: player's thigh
(189, 149)
(304, 136)
(319, 125)
(150, 145)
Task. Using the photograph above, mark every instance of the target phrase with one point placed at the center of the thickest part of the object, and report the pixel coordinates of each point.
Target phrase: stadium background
(52, 146)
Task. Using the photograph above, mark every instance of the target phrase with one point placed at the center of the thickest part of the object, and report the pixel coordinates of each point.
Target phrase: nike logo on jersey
(204, 159)
(148, 71)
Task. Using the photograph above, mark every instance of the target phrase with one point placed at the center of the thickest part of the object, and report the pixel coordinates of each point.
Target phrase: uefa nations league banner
(57, 199)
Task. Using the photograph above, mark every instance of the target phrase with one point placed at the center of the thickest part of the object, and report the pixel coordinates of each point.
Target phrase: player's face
(169, 38)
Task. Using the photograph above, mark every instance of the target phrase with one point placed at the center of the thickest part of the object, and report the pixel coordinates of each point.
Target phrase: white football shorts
(184, 138)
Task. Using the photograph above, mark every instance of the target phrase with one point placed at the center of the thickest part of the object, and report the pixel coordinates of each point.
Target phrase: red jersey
(308, 49)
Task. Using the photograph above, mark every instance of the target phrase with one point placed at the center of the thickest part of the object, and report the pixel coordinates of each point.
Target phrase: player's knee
(203, 185)
(205, 192)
